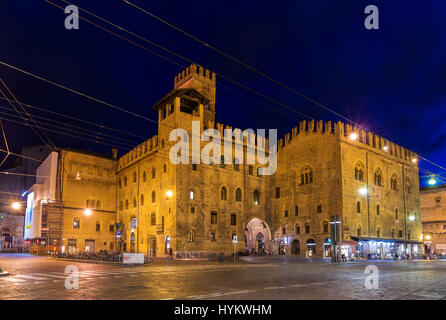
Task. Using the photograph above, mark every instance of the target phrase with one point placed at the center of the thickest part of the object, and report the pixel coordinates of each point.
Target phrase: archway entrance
(6, 233)
(257, 237)
(311, 247)
(327, 248)
(295, 248)
(281, 247)
(260, 239)
(167, 250)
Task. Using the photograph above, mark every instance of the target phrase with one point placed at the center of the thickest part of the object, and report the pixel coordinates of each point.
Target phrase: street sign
(118, 234)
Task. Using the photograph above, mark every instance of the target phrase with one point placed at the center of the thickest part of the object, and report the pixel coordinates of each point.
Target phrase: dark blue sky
(391, 80)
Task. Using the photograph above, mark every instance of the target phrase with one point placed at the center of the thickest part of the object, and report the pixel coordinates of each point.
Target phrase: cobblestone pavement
(253, 278)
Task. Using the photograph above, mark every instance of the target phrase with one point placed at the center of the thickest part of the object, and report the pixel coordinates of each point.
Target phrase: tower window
(233, 219)
(213, 217)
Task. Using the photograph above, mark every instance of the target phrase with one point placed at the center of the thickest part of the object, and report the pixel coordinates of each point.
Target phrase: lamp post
(335, 226)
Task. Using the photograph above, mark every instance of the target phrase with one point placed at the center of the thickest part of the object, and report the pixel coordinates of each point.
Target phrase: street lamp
(16, 205)
(169, 194)
(386, 148)
(432, 180)
(428, 237)
(363, 191)
(87, 212)
(353, 136)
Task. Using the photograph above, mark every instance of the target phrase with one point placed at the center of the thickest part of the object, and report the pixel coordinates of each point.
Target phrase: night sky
(390, 80)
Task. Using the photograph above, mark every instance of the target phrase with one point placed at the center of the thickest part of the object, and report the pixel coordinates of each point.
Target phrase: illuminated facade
(142, 202)
(323, 169)
(433, 218)
(72, 206)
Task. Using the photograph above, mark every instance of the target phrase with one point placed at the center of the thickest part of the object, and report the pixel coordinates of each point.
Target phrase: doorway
(295, 247)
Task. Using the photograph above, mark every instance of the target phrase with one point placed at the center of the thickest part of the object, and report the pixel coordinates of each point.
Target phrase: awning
(349, 243)
(358, 238)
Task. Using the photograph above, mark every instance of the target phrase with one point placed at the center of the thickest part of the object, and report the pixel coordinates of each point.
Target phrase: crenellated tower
(202, 80)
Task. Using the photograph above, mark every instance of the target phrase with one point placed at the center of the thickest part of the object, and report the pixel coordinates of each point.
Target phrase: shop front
(388, 249)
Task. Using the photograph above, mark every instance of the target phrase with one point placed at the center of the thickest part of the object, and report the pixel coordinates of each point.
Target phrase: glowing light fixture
(411, 218)
(432, 180)
(363, 191)
(169, 193)
(16, 205)
(353, 136)
(87, 212)
(414, 160)
(385, 148)
(428, 237)
(78, 176)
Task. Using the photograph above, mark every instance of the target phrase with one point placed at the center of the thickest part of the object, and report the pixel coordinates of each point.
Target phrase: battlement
(344, 131)
(139, 151)
(194, 72)
(220, 127)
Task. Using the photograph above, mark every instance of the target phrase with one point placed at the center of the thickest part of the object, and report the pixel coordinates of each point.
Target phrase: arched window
(98, 204)
(297, 228)
(125, 181)
(358, 231)
(358, 206)
(251, 170)
(165, 168)
(191, 236)
(144, 176)
(325, 227)
(153, 196)
(396, 214)
(306, 175)
(191, 194)
(378, 232)
(296, 211)
(238, 195)
(153, 172)
(87, 205)
(126, 204)
(377, 210)
(76, 223)
(256, 196)
(359, 172)
(92, 204)
(120, 183)
(134, 202)
(236, 164)
(142, 200)
(153, 219)
(134, 176)
(378, 177)
(307, 227)
(121, 205)
(223, 193)
(394, 182)
(277, 193)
